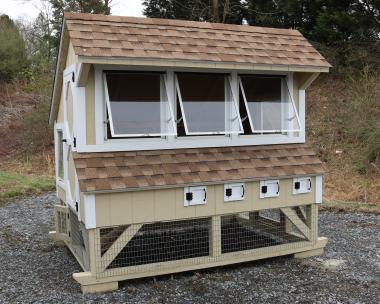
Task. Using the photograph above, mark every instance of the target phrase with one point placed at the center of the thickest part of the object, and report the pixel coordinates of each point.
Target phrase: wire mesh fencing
(79, 239)
(154, 246)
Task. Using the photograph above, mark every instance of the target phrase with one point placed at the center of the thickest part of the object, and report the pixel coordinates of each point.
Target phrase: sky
(29, 9)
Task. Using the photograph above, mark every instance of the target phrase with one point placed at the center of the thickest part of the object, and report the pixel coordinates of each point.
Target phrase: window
(268, 105)
(206, 105)
(59, 154)
(137, 104)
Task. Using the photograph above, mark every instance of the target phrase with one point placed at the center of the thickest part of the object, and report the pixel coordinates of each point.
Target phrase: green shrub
(362, 117)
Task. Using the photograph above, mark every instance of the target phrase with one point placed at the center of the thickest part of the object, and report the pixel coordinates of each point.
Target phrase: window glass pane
(135, 102)
(269, 104)
(264, 102)
(203, 100)
(60, 153)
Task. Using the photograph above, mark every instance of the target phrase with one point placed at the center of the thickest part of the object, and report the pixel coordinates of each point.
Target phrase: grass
(14, 185)
(351, 206)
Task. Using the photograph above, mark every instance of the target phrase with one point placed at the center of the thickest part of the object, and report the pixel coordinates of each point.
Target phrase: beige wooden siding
(60, 111)
(167, 204)
(90, 108)
(71, 57)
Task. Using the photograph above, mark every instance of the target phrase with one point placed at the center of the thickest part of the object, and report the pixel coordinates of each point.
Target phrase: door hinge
(75, 142)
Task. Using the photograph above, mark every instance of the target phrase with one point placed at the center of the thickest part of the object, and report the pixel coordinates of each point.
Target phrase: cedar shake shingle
(153, 38)
(110, 171)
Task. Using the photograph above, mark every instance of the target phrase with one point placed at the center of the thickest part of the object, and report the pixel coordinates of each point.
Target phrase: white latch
(269, 188)
(195, 196)
(301, 185)
(234, 192)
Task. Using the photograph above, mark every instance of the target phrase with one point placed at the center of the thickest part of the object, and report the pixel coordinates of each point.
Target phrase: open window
(206, 105)
(267, 105)
(138, 105)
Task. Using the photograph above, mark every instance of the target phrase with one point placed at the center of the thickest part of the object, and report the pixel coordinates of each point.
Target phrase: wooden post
(93, 251)
(215, 236)
(312, 221)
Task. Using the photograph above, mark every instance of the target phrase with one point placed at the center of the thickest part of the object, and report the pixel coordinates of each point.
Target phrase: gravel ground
(34, 270)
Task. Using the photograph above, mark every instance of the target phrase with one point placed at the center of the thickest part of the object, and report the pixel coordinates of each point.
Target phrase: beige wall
(71, 57)
(167, 204)
(90, 108)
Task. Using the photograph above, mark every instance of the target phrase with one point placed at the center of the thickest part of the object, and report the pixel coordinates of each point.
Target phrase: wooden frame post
(215, 236)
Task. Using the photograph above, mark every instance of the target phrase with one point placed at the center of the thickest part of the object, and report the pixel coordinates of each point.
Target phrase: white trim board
(89, 211)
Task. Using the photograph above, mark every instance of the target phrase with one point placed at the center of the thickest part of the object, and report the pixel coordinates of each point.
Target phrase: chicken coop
(180, 145)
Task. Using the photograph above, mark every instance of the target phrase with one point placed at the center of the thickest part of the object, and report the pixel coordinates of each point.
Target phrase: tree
(12, 49)
(81, 6)
(225, 11)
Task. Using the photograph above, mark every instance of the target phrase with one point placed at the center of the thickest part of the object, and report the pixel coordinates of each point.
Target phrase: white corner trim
(89, 211)
(302, 115)
(318, 189)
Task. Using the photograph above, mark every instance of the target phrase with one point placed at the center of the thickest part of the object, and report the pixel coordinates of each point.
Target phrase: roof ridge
(180, 22)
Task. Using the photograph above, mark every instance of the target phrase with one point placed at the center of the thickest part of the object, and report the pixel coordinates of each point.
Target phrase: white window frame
(108, 144)
(163, 120)
(284, 86)
(228, 112)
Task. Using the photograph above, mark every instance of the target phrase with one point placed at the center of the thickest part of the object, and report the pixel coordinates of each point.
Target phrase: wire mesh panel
(79, 239)
(61, 223)
(153, 246)
(153, 243)
(253, 230)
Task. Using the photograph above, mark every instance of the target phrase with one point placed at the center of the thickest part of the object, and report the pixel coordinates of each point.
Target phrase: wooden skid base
(53, 235)
(313, 252)
(91, 284)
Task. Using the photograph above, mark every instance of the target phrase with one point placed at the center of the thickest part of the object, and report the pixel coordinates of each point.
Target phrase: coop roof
(150, 38)
(121, 171)
(133, 41)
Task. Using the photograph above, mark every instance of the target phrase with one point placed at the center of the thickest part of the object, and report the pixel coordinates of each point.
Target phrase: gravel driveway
(34, 270)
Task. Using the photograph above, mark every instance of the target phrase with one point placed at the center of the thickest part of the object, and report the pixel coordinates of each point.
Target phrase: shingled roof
(119, 171)
(151, 38)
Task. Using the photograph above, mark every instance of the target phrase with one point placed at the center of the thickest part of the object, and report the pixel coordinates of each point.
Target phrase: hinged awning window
(207, 104)
(137, 104)
(268, 104)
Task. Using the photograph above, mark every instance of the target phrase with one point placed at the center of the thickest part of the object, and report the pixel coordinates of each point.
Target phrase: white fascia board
(194, 142)
(319, 189)
(199, 64)
(89, 211)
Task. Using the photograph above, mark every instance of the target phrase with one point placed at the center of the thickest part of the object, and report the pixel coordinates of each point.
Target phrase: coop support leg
(215, 239)
(293, 217)
(119, 244)
(285, 224)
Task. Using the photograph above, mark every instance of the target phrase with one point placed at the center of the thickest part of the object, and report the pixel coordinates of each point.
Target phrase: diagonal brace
(119, 245)
(293, 217)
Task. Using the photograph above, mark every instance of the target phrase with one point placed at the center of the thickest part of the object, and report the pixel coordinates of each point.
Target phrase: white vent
(195, 196)
(234, 192)
(269, 188)
(301, 185)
